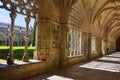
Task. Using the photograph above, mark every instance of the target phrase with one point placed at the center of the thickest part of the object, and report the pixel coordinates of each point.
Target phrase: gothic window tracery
(74, 33)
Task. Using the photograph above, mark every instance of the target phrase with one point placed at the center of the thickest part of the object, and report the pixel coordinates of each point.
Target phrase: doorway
(118, 44)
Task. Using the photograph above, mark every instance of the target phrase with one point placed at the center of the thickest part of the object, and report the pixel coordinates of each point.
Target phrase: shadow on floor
(105, 68)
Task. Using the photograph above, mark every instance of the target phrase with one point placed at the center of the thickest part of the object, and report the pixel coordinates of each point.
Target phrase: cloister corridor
(104, 68)
(73, 40)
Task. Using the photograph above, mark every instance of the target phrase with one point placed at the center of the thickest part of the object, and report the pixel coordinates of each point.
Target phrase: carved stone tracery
(24, 7)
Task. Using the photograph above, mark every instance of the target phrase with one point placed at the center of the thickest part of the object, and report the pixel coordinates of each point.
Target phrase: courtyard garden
(18, 52)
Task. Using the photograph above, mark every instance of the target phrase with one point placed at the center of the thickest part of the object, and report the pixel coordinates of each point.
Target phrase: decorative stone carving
(10, 58)
(25, 56)
(21, 6)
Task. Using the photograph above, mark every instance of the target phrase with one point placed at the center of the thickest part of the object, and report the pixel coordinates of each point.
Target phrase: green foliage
(33, 34)
(18, 52)
(3, 53)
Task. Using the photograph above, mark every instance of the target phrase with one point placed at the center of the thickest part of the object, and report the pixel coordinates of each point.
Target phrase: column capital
(64, 26)
(13, 15)
(27, 19)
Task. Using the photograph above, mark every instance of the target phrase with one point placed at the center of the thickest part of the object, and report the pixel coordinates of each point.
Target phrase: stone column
(64, 49)
(76, 42)
(25, 56)
(72, 44)
(87, 44)
(106, 47)
(10, 58)
(79, 43)
(44, 39)
(99, 46)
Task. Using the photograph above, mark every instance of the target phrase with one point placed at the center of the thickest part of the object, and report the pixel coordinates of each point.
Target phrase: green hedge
(3, 53)
(18, 52)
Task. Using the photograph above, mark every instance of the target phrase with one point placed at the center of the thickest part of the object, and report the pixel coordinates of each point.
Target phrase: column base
(25, 58)
(10, 59)
(63, 64)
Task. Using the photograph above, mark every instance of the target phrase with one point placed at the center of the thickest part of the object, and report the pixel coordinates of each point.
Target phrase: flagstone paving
(105, 68)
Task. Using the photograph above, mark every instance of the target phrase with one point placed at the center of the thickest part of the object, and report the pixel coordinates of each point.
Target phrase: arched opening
(75, 31)
(17, 27)
(118, 44)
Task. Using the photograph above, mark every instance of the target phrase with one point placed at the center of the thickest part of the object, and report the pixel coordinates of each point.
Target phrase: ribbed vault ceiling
(109, 13)
(106, 11)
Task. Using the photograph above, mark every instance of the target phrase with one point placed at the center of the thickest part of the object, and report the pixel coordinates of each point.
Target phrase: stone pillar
(64, 49)
(36, 40)
(83, 43)
(106, 47)
(25, 56)
(87, 44)
(80, 43)
(43, 39)
(64, 29)
(76, 42)
(10, 58)
(72, 42)
(99, 46)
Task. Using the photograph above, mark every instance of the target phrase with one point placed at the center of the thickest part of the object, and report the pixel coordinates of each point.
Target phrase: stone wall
(28, 69)
(76, 59)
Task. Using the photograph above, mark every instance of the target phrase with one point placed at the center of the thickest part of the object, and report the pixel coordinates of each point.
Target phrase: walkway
(105, 68)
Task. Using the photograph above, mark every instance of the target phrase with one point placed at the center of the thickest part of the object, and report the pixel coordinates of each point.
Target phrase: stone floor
(105, 68)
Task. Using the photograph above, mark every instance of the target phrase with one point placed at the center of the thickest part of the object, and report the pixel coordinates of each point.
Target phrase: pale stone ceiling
(107, 11)
(104, 15)
(101, 16)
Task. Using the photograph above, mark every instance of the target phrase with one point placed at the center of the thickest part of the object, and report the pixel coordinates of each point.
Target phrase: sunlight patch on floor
(112, 67)
(117, 54)
(110, 59)
(55, 77)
